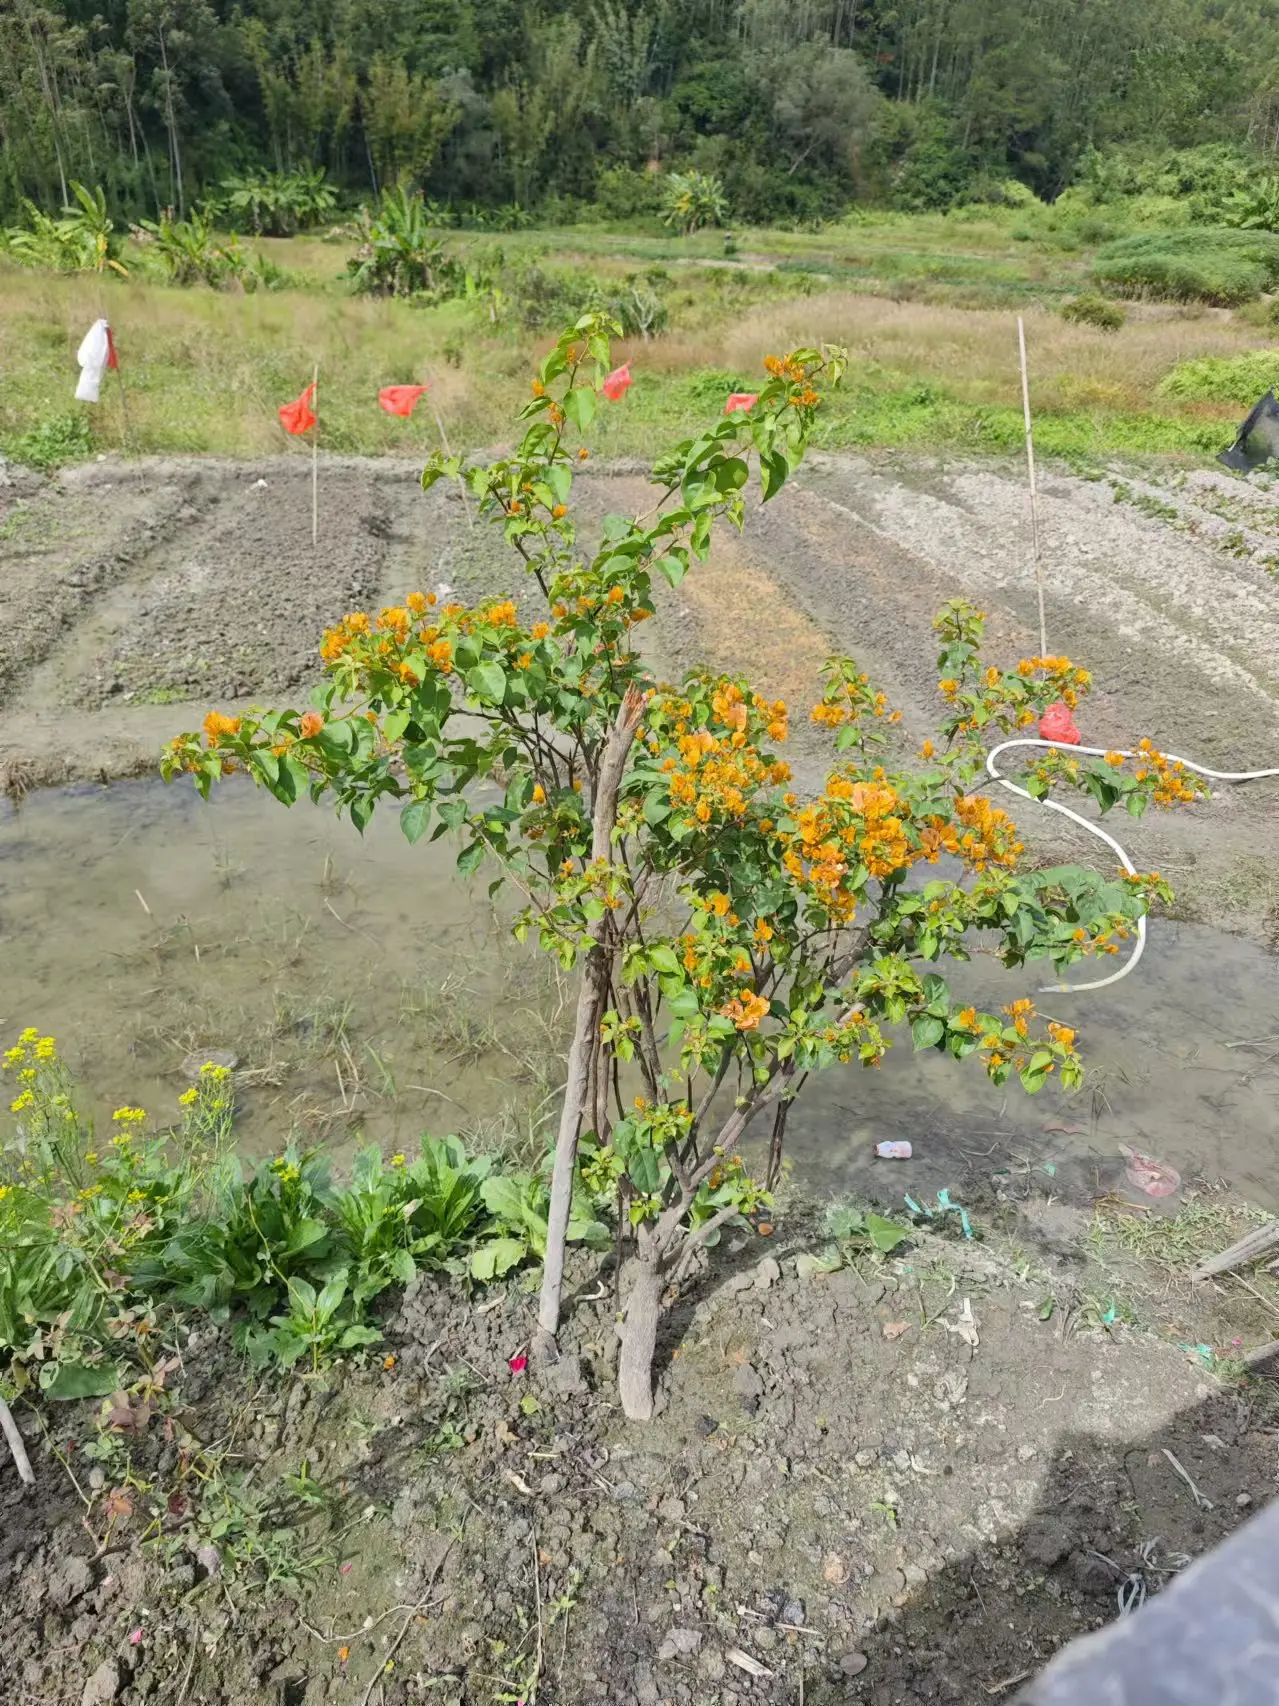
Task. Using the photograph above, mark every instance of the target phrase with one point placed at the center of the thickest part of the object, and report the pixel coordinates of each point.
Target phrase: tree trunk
(590, 1009)
(639, 1340)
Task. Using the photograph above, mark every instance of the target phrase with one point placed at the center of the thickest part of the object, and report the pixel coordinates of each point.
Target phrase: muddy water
(1166, 1075)
(363, 987)
(369, 992)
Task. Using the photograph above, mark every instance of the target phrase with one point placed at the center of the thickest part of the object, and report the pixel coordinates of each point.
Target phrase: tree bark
(590, 1009)
(639, 1340)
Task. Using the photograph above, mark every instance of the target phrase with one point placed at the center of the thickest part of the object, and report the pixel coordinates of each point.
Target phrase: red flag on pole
(400, 399)
(298, 416)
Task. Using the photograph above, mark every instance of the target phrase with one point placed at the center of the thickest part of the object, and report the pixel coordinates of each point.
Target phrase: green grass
(924, 303)
(1238, 379)
(1223, 268)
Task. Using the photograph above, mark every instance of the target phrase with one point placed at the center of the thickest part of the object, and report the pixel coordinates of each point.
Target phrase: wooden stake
(315, 457)
(1034, 505)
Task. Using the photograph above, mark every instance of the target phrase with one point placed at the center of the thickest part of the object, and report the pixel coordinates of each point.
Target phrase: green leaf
(331, 1296)
(415, 820)
(927, 1031)
(673, 568)
(470, 858)
(885, 1235)
(497, 1257)
(644, 1168)
(302, 1235)
(401, 1266)
(774, 472)
(358, 1336)
(579, 407)
(79, 1380)
(488, 681)
(662, 958)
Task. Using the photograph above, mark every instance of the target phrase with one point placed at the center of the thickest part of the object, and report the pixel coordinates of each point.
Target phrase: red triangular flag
(400, 399)
(298, 417)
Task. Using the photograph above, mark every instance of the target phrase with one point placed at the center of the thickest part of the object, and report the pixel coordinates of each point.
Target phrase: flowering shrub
(732, 937)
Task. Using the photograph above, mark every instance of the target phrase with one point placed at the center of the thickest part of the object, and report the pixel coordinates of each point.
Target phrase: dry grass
(973, 353)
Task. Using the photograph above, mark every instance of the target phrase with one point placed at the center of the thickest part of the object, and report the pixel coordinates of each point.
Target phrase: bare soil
(843, 1498)
(895, 1482)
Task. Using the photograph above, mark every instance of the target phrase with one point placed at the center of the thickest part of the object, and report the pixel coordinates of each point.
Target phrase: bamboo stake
(1034, 505)
(16, 1446)
(461, 483)
(315, 457)
(124, 408)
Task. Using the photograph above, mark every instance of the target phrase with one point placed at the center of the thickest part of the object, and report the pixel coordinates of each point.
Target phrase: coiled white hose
(1101, 834)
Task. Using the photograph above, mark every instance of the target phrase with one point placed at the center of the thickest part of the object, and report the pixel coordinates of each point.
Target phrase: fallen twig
(22, 1462)
(1203, 1503)
(1008, 1682)
(744, 1661)
(1248, 1249)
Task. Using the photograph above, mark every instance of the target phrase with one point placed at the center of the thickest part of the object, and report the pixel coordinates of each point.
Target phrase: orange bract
(216, 725)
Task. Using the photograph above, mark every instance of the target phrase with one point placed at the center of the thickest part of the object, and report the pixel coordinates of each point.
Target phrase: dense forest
(800, 107)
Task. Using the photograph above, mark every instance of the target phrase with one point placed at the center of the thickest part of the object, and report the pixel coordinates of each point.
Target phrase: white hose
(1095, 829)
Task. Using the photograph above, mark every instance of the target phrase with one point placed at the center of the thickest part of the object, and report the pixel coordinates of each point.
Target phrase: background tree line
(800, 106)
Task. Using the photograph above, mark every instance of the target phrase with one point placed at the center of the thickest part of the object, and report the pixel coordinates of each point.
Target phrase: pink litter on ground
(1155, 1178)
(893, 1151)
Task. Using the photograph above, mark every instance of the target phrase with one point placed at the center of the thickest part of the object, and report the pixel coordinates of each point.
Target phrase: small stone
(865, 1459)
(764, 1638)
(793, 1613)
(624, 1490)
(853, 1664)
(551, 1483)
(711, 1665)
(103, 1685)
(1243, 1501)
(209, 1559)
(767, 1273)
(97, 1480)
(680, 1644)
(672, 1510)
(705, 1426)
(202, 1057)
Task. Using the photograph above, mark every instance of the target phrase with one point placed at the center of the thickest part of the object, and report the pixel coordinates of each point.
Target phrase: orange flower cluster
(746, 1011)
(783, 367)
(845, 701)
(989, 835)
(1069, 681)
(216, 725)
(849, 824)
(1173, 783)
(715, 773)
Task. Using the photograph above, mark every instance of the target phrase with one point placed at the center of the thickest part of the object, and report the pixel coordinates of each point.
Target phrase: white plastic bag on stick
(96, 355)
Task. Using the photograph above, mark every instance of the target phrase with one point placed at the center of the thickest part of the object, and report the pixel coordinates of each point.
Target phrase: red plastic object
(1057, 723)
